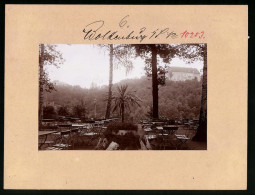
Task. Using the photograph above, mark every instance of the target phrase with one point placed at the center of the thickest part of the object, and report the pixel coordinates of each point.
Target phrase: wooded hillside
(176, 99)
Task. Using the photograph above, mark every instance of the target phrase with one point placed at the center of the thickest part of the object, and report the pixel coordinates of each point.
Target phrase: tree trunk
(109, 102)
(201, 134)
(122, 113)
(154, 81)
(41, 54)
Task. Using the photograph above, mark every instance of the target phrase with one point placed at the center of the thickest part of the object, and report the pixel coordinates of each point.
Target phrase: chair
(183, 139)
(166, 139)
(150, 132)
(43, 141)
(63, 140)
(91, 134)
(165, 135)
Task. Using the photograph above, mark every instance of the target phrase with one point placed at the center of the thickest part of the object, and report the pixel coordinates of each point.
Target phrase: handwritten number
(202, 35)
(123, 21)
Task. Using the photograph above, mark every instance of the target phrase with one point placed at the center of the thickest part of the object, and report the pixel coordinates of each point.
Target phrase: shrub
(127, 141)
(49, 112)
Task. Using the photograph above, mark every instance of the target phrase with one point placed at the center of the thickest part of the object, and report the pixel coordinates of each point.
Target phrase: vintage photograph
(122, 97)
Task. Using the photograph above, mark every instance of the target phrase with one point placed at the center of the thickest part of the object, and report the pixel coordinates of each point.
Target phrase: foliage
(164, 51)
(176, 99)
(120, 56)
(150, 53)
(49, 112)
(52, 56)
(49, 56)
(161, 72)
(201, 134)
(80, 109)
(123, 99)
(63, 111)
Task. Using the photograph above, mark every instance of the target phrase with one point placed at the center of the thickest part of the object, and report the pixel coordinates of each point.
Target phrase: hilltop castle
(182, 74)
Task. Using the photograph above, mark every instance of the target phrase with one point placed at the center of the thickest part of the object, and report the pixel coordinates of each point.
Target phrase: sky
(86, 64)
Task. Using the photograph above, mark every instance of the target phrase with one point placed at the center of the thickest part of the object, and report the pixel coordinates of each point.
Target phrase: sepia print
(122, 97)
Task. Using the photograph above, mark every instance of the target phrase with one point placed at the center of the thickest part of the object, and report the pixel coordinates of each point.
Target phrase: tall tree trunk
(122, 113)
(202, 128)
(41, 54)
(154, 81)
(109, 102)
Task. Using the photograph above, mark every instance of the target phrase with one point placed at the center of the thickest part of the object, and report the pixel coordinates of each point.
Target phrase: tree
(201, 134)
(80, 110)
(108, 107)
(199, 51)
(48, 55)
(119, 56)
(151, 52)
(49, 112)
(123, 99)
(173, 94)
(63, 111)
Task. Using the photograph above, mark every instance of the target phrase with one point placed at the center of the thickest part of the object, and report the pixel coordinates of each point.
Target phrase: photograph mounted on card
(142, 95)
(122, 97)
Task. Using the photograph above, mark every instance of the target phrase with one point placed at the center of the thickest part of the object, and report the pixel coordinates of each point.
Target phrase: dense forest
(176, 99)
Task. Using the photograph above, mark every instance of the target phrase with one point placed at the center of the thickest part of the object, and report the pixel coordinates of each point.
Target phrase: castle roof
(183, 69)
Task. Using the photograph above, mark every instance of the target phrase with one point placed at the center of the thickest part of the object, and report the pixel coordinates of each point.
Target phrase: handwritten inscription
(191, 35)
(96, 30)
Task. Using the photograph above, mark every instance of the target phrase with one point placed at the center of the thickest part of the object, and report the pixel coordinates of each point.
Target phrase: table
(75, 130)
(158, 123)
(166, 129)
(170, 128)
(41, 133)
(182, 140)
(44, 133)
(166, 132)
(78, 125)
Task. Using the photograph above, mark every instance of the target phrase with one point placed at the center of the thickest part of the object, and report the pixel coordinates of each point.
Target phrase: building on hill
(182, 73)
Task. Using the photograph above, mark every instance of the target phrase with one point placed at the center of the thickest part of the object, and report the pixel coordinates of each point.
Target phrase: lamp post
(95, 102)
